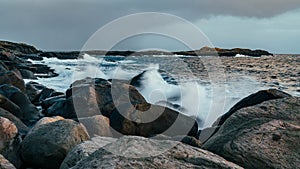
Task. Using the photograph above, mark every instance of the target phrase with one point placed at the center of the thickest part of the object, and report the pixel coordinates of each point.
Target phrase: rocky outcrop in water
(20, 48)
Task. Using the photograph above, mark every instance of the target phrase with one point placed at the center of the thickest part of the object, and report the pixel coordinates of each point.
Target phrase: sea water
(166, 80)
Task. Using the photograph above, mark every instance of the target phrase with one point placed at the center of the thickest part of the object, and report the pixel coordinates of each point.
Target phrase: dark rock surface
(29, 112)
(207, 51)
(17, 47)
(47, 146)
(262, 136)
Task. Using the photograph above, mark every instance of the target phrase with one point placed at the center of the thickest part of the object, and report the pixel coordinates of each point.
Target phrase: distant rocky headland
(88, 126)
(28, 51)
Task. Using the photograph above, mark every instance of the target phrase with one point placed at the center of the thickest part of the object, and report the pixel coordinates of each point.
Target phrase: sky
(273, 25)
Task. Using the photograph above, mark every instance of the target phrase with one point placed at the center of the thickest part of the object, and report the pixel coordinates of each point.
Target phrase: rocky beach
(97, 122)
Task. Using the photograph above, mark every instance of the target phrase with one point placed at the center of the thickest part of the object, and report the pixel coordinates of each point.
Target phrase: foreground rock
(262, 136)
(10, 142)
(84, 150)
(22, 128)
(8, 131)
(47, 146)
(152, 154)
(5, 164)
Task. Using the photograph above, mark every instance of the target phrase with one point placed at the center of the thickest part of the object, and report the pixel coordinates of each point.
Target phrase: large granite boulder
(47, 146)
(262, 136)
(8, 131)
(10, 142)
(139, 152)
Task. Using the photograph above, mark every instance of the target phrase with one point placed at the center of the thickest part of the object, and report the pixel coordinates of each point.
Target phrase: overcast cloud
(66, 25)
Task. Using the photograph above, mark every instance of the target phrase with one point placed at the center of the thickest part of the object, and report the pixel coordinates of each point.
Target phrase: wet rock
(30, 113)
(33, 89)
(44, 94)
(47, 146)
(10, 106)
(14, 78)
(147, 120)
(27, 74)
(22, 128)
(265, 135)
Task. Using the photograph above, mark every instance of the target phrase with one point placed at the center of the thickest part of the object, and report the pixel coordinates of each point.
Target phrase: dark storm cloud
(67, 24)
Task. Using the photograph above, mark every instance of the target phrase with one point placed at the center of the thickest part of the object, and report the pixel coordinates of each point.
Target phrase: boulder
(148, 120)
(33, 89)
(45, 120)
(10, 106)
(47, 146)
(14, 78)
(265, 135)
(45, 94)
(27, 74)
(97, 125)
(8, 131)
(139, 152)
(10, 142)
(85, 149)
(5, 164)
(22, 128)
(30, 113)
(98, 96)
(61, 107)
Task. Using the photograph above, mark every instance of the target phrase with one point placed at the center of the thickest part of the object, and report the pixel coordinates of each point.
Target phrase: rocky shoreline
(99, 123)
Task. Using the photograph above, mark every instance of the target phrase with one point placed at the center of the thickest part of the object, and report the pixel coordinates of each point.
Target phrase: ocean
(165, 80)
